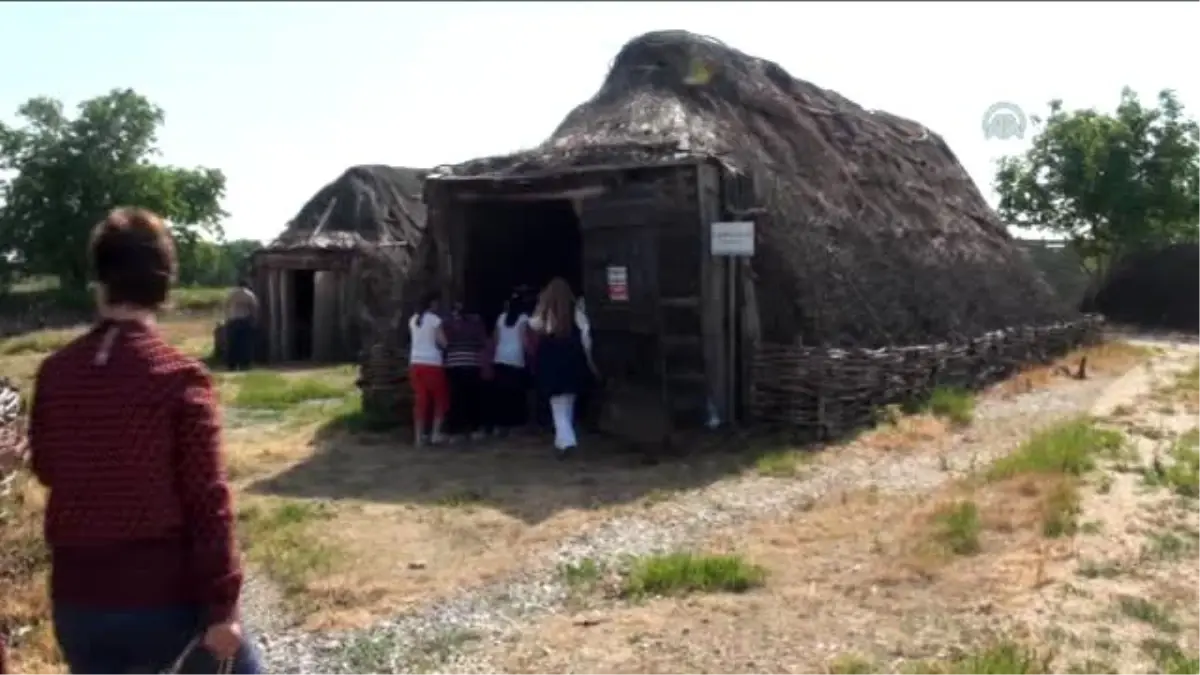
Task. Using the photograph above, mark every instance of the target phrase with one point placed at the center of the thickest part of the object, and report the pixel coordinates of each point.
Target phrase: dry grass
(1111, 357)
(942, 573)
(24, 600)
(829, 586)
(904, 432)
(277, 534)
(317, 507)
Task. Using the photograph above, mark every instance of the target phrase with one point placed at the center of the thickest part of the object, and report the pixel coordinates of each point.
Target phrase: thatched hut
(867, 231)
(315, 280)
(1061, 266)
(1155, 288)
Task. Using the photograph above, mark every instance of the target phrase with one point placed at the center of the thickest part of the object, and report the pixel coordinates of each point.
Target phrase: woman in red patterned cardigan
(125, 433)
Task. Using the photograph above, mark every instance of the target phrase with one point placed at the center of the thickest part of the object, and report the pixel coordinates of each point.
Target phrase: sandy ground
(849, 591)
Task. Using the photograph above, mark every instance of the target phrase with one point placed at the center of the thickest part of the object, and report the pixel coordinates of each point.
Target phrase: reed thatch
(874, 233)
(1061, 266)
(370, 205)
(1153, 289)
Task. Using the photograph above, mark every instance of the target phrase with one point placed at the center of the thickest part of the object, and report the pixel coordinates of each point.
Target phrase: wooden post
(324, 321)
(714, 288)
(286, 337)
(274, 320)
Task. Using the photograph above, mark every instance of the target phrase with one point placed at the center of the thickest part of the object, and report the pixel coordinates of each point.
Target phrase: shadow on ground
(519, 475)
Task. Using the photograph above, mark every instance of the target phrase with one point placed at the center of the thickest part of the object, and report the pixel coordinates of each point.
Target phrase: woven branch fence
(832, 391)
(12, 436)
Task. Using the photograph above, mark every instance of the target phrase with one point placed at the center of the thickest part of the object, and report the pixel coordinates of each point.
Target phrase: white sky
(284, 97)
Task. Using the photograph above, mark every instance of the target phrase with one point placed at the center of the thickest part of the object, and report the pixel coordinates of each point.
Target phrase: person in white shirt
(507, 400)
(431, 394)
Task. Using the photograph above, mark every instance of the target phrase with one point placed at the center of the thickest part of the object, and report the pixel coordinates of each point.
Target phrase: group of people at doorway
(469, 381)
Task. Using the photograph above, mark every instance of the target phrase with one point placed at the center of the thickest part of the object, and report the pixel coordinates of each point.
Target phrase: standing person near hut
(506, 403)
(466, 343)
(562, 359)
(241, 311)
(426, 372)
(125, 433)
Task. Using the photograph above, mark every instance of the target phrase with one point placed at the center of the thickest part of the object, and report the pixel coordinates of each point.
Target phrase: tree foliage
(208, 263)
(60, 175)
(1109, 184)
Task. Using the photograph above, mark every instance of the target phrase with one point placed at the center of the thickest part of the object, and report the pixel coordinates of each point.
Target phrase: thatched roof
(367, 205)
(874, 232)
(1153, 289)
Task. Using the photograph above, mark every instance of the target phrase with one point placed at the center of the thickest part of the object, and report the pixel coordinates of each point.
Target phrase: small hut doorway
(515, 243)
(302, 314)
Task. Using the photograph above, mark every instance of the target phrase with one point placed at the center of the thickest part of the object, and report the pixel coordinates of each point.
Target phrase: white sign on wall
(733, 238)
(618, 283)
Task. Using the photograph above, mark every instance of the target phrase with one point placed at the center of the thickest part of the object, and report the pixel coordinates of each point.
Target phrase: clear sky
(285, 96)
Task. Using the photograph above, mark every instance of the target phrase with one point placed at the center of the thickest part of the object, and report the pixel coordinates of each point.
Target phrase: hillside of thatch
(1060, 266)
(366, 205)
(1153, 289)
(875, 234)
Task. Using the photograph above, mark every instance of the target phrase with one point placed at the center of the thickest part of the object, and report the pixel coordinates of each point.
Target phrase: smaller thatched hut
(312, 280)
(1153, 289)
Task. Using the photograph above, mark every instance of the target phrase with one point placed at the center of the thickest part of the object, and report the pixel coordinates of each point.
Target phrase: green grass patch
(684, 573)
(278, 538)
(198, 299)
(1069, 448)
(1061, 510)
(1147, 612)
(265, 390)
(1169, 658)
(958, 527)
(782, 463)
(582, 574)
(40, 342)
(1180, 472)
(851, 664)
(952, 404)
(1002, 657)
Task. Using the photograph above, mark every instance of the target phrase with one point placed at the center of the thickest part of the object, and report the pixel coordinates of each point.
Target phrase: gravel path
(451, 635)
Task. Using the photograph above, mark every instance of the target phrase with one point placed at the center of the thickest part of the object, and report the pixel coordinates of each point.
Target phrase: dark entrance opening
(512, 243)
(303, 296)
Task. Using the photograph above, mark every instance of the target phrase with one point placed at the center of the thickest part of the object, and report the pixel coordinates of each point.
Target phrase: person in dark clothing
(125, 434)
(466, 342)
(241, 311)
(507, 404)
(563, 361)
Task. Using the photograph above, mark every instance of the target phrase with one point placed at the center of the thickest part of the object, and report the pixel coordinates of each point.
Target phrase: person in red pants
(427, 372)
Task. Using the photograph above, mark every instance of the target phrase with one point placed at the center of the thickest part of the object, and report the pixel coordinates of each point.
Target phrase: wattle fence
(831, 391)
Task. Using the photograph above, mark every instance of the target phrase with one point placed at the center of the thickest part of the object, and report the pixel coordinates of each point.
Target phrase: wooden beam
(575, 193)
(286, 336)
(274, 345)
(324, 315)
(714, 273)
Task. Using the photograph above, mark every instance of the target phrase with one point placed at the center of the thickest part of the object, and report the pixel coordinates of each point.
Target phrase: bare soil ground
(347, 529)
(862, 581)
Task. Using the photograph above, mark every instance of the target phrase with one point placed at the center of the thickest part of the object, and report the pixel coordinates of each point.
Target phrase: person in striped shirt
(466, 343)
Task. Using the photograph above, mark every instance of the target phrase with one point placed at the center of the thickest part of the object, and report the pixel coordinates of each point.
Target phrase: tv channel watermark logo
(1004, 121)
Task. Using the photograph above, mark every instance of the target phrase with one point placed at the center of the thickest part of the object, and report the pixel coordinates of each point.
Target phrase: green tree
(208, 263)
(66, 173)
(1109, 184)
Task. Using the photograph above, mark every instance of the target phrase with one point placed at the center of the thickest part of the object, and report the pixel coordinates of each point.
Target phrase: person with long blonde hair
(562, 360)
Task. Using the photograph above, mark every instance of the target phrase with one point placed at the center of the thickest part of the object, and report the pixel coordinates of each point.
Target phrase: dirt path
(515, 624)
(1129, 589)
(846, 591)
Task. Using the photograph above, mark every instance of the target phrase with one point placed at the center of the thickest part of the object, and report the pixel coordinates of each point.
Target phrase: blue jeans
(97, 640)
